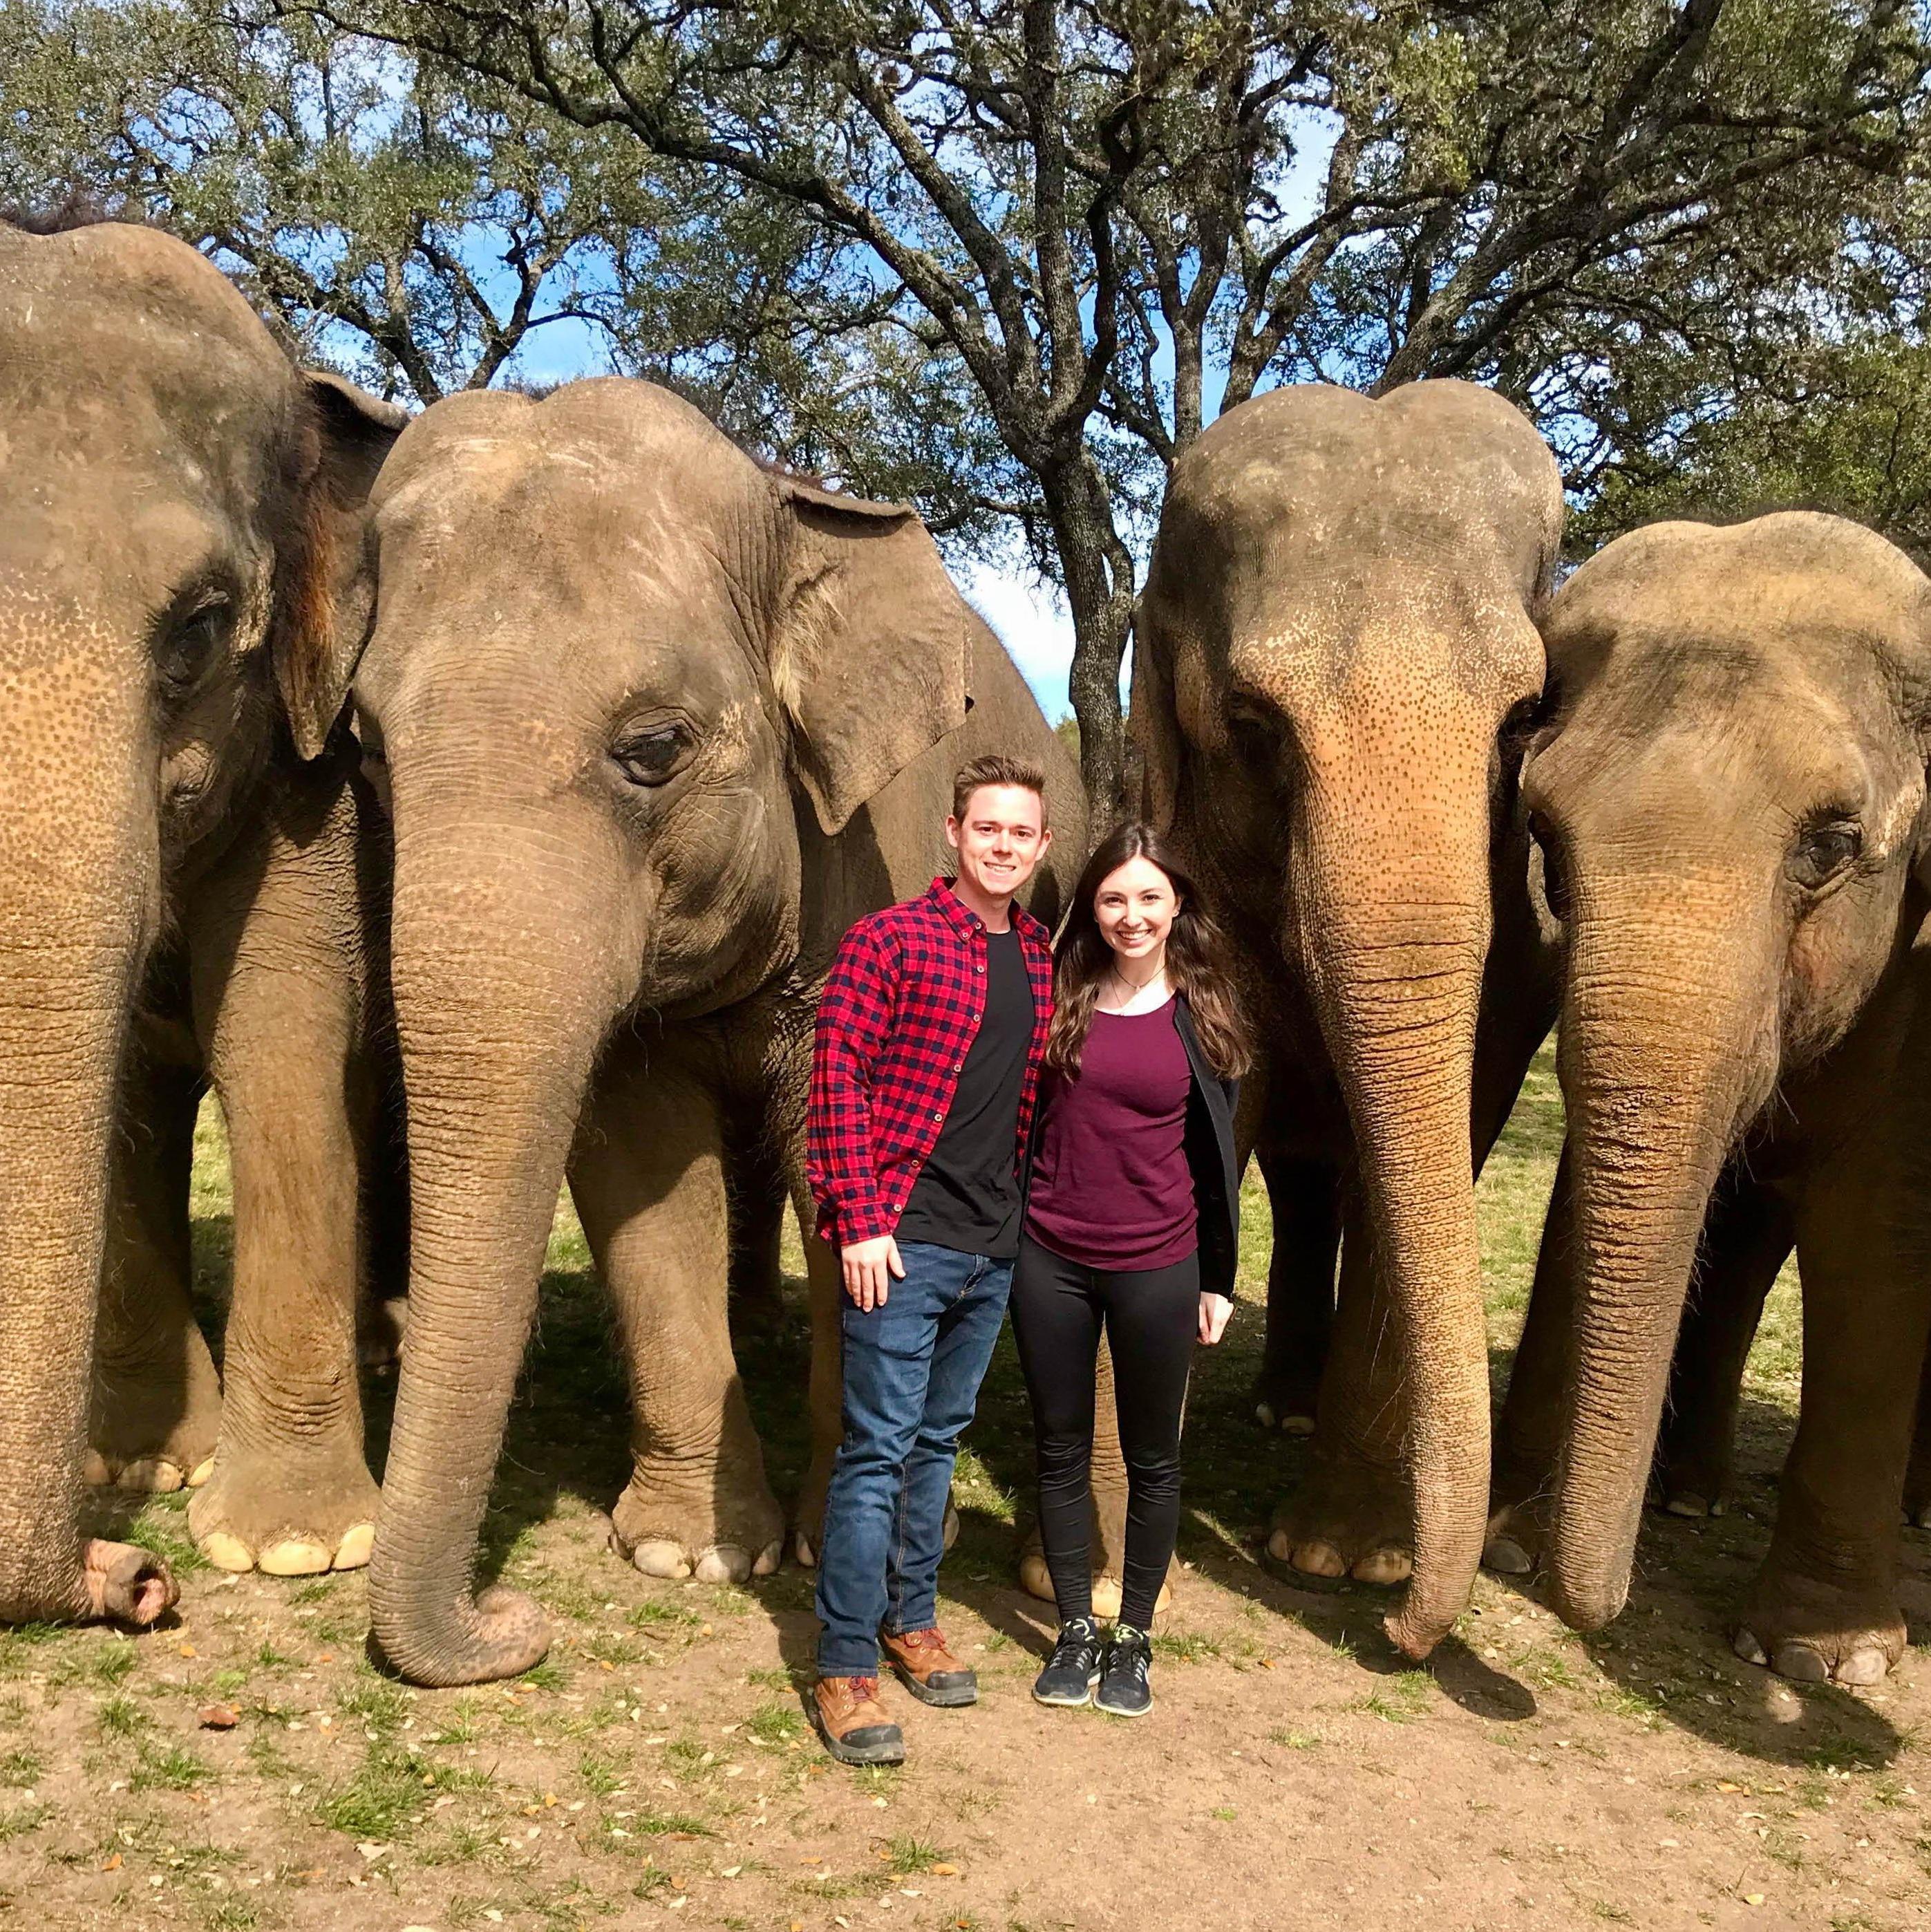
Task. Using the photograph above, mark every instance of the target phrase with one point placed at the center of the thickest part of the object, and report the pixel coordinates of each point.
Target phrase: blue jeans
(911, 1372)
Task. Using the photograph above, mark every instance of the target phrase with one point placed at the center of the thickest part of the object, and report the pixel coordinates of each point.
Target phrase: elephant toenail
(1506, 1557)
(726, 1563)
(1746, 1646)
(1803, 1665)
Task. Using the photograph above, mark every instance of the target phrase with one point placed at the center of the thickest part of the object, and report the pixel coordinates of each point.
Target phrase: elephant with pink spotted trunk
(185, 899)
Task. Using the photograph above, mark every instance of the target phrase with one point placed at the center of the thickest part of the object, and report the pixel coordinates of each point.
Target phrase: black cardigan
(1208, 1140)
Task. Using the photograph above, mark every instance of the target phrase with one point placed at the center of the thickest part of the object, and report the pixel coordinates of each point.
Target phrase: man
(923, 1074)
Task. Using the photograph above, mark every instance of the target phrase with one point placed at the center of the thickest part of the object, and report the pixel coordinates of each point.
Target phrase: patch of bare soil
(657, 1770)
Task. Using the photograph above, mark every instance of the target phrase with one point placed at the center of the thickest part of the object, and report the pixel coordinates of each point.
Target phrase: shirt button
(938, 1117)
(978, 969)
(958, 1067)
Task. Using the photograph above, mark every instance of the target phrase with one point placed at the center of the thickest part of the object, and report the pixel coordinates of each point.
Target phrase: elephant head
(1728, 795)
(612, 660)
(173, 495)
(1338, 623)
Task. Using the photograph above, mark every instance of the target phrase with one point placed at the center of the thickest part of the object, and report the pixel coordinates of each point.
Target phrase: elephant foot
(662, 1529)
(1819, 1633)
(1692, 1478)
(153, 1434)
(123, 1584)
(1517, 1535)
(378, 1333)
(1284, 1398)
(1350, 1518)
(145, 1475)
(1918, 1492)
(1037, 1580)
(285, 1513)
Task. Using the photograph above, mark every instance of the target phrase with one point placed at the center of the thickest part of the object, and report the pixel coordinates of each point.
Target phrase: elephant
(656, 724)
(1728, 795)
(1336, 647)
(183, 898)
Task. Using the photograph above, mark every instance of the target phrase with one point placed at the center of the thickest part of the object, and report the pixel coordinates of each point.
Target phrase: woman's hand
(1214, 1310)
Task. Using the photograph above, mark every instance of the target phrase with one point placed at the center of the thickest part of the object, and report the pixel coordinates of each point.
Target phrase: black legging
(1152, 1318)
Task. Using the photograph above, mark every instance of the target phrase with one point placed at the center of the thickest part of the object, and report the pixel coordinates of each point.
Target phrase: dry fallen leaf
(186, 1649)
(113, 1863)
(944, 1871)
(1752, 1898)
(216, 1717)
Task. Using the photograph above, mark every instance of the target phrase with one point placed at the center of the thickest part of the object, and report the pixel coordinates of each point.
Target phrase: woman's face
(1134, 907)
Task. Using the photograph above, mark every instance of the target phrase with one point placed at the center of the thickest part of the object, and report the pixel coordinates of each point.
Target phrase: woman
(1132, 1210)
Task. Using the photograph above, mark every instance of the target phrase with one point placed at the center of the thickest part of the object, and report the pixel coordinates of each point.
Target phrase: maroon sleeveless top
(1111, 1186)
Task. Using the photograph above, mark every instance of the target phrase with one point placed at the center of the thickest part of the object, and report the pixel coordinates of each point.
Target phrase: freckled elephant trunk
(80, 880)
(500, 1001)
(1655, 1059)
(1393, 916)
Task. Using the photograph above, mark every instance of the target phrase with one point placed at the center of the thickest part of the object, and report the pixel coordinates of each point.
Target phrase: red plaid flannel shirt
(900, 1008)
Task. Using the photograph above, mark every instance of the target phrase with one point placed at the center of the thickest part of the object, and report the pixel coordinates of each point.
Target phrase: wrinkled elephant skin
(1338, 631)
(179, 904)
(1728, 792)
(655, 726)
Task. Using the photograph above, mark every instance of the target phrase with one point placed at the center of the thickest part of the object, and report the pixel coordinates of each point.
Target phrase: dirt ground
(657, 1769)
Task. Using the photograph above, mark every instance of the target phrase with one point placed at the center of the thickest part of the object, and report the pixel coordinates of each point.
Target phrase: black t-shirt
(966, 1196)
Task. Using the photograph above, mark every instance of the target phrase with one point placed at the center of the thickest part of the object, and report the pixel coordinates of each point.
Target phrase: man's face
(1002, 837)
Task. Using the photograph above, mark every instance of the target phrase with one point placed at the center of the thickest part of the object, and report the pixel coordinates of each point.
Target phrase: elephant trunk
(79, 887)
(500, 972)
(1394, 926)
(1658, 1063)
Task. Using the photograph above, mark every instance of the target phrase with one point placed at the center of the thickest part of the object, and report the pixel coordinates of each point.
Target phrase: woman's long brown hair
(1197, 964)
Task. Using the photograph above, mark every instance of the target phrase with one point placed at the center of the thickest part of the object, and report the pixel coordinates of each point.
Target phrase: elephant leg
(278, 984)
(1917, 1476)
(1353, 1513)
(755, 1183)
(1529, 1437)
(826, 1395)
(1825, 1604)
(647, 1176)
(156, 1409)
(382, 1309)
(1744, 1243)
(1304, 1196)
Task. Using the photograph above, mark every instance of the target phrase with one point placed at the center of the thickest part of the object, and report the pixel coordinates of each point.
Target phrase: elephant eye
(191, 641)
(1823, 852)
(650, 758)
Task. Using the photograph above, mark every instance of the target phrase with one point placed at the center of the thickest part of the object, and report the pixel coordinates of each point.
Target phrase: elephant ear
(1156, 730)
(332, 587)
(870, 647)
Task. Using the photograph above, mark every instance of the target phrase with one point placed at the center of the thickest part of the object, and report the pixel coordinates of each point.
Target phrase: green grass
(906, 1854)
(381, 1801)
(166, 1767)
(774, 1724)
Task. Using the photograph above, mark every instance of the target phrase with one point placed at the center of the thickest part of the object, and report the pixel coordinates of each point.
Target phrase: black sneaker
(1073, 1669)
(1123, 1690)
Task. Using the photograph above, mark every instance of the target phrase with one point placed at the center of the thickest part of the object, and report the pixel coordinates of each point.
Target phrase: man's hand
(1214, 1310)
(869, 1267)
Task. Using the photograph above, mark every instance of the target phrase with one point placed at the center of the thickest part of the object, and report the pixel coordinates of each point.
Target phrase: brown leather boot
(853, 1723)
(926, 1666)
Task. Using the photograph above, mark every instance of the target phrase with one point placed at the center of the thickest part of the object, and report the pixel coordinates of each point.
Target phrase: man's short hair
(996, 768)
